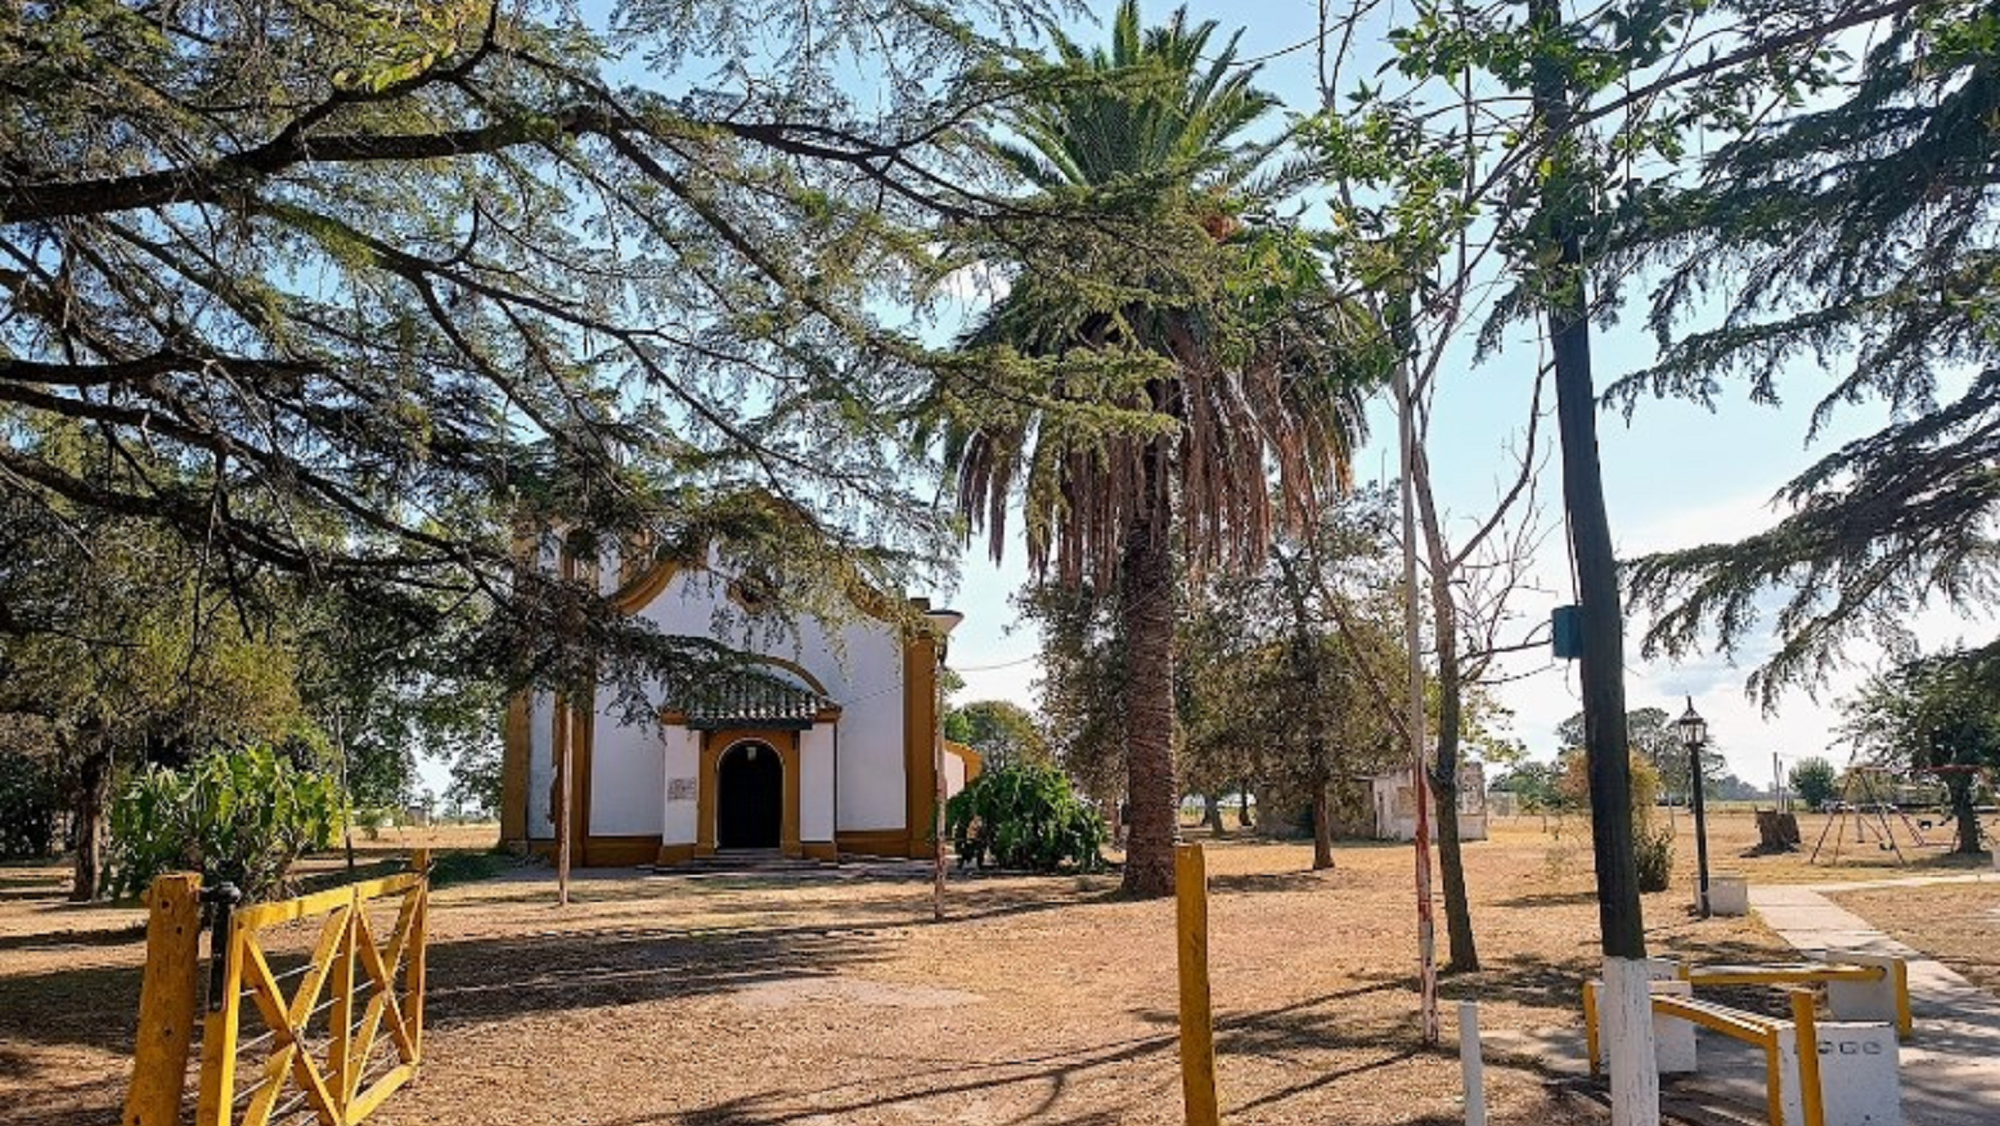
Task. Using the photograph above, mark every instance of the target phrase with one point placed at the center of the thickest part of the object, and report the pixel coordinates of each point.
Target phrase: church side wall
(627, 775)
(870, 787)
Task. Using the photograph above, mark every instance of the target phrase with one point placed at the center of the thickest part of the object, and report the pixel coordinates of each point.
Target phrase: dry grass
(1959, 924)
(1732, 841)
(762, 1000)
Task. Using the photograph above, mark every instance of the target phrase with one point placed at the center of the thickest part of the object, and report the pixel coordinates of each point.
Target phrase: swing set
(1867, 795)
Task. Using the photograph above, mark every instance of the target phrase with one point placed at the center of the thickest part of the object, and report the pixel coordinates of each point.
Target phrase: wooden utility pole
(1627, 1011)
(941, 622)
(939, 795)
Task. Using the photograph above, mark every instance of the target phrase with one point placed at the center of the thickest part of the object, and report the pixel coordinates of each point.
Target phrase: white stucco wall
(872, 786)
(816, 757)
(627, 775)
(541, 766)
(681, 752)
(860, 664)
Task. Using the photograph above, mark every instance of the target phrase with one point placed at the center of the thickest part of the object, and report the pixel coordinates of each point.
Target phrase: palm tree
(1185, 354)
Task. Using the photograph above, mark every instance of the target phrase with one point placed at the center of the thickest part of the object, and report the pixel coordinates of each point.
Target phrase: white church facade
(825, 749)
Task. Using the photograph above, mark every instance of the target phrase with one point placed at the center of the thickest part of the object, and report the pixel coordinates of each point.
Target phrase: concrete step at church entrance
(749, 860)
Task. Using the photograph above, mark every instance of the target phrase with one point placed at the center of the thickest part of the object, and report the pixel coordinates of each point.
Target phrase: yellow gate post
(413, 978)
(1197, 1023)
(166, 1001)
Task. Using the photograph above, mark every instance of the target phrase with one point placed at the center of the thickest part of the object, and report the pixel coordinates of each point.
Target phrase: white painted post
(1625, 1012)
(1472, 1063)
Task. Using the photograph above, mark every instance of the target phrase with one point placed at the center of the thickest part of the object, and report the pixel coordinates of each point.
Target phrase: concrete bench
(1846, 1076)
(1859, 987)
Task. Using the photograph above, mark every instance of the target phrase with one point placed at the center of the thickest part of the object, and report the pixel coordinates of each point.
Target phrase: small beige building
(1394, 800)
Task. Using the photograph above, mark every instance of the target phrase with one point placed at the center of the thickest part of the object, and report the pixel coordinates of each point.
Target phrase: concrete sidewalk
(1951, 1069)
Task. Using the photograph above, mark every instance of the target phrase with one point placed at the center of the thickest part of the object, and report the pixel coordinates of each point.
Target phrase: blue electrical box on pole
(1566, 630)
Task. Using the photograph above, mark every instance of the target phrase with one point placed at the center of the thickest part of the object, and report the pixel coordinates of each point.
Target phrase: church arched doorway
(750, 793)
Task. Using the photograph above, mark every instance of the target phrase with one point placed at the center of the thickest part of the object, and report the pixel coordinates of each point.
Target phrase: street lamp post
(942, 622)
(1694, 735)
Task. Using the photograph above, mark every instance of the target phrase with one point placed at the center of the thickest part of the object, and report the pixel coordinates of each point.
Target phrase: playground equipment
(1867, 794)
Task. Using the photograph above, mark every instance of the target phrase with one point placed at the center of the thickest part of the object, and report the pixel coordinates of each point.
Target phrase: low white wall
(541, 766)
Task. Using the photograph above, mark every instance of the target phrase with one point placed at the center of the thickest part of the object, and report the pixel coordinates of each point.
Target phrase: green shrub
(1026, 815)
(28, 801)
(243, 816)
(1655, 852)
(1815, 781)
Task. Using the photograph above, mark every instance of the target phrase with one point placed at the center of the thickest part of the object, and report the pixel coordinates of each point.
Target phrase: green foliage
(1815, 781)
(1850, 236)
(1536, 784)
(1001, 731)
(455, 230)
(1574, 788)
(1650, 733)
(28, 804)
(475, 780)
(1938, 715)
(242, 815)
(1027, 816)
(1653, 848)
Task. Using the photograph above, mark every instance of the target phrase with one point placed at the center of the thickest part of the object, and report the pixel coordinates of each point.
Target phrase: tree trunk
(1146, 607)
(93, 820)
(1322, 827)
(1960, 787)
(1211, 814)
(1243, 806)
(1451, 698)
(1451, 870)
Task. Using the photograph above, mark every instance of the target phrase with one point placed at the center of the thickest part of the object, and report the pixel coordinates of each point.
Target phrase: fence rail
(301, 1042)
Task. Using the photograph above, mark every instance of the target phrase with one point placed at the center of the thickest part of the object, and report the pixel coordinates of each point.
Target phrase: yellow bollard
(1197, 1022)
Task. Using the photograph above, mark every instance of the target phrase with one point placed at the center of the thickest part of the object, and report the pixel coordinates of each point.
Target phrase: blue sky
(1676, 475)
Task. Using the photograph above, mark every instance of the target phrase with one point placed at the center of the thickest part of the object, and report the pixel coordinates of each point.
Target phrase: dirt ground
(1958, 924)
(827, 997)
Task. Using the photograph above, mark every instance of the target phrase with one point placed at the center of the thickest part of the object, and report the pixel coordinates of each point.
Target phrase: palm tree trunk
(1146, 605)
